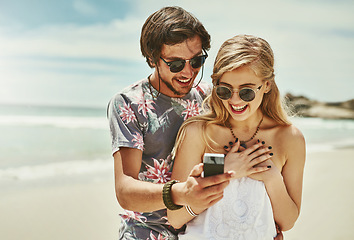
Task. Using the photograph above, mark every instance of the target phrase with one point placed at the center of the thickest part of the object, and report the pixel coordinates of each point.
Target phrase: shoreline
(85, 206)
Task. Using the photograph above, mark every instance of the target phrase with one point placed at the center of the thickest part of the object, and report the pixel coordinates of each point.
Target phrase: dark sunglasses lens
(197, 62)
(247, 94)
(177, 66)
(223, 93)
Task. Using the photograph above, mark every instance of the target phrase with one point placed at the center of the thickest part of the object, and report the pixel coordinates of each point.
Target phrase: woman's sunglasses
(178, 65)
(246, 94)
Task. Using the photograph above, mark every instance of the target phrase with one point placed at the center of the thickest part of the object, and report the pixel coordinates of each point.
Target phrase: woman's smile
(238, 109)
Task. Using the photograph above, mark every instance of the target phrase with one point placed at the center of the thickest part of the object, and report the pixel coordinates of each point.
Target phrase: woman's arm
(189, 154)
(285, 188)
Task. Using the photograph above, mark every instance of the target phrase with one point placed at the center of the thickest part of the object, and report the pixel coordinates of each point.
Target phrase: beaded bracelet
(166, 196)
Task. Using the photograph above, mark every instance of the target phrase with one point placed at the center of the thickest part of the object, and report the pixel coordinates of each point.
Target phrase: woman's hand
(245, 162)
(267, 175)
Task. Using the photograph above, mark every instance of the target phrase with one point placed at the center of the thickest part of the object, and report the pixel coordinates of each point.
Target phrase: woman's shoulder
(291, 133)
(199, 128)
(291, 140)
(282, 131)
(193, 128)
(193, 123)
(199, 122)
(285, 134)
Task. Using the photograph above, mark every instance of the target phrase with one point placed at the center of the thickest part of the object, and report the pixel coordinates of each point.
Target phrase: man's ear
(152, 62)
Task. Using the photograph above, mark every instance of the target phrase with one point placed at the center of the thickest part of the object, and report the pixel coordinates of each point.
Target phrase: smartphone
(213, 164)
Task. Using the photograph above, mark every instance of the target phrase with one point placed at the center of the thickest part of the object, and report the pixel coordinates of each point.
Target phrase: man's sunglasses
(178, 65)
(246, 94)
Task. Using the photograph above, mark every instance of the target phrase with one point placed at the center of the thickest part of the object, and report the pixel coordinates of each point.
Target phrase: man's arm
(140, 196)
(133, 194)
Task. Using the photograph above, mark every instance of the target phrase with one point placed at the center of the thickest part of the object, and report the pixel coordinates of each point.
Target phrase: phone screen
(213, 164)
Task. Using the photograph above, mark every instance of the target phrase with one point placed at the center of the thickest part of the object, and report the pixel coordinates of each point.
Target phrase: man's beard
(169, 86)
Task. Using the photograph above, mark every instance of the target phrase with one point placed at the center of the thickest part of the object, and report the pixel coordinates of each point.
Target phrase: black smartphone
(213, 164)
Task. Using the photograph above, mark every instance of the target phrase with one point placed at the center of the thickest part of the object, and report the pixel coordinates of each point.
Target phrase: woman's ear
(268, 86)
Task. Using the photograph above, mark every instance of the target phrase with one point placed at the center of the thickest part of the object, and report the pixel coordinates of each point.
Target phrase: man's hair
(169, 25)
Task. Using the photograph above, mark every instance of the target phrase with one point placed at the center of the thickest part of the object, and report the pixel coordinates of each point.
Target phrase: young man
(144, 120)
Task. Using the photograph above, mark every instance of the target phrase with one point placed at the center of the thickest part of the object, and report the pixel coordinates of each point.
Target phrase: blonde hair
(241, 50)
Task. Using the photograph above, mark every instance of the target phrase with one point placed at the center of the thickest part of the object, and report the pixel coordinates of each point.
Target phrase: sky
(82, 52)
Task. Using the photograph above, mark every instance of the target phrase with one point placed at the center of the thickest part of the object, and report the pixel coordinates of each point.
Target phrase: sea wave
(323, 124)
(56, 169)
(55, 121)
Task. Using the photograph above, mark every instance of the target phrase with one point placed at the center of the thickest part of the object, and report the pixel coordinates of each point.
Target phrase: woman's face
(240, 108)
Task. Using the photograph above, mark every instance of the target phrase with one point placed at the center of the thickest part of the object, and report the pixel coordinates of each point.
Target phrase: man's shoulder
(204, 88)
(135, 87)
(132, 90)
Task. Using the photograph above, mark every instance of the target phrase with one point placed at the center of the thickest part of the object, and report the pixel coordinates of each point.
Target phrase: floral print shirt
(139, 120)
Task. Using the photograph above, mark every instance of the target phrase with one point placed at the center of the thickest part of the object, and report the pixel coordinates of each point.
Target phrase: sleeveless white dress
(245, 213)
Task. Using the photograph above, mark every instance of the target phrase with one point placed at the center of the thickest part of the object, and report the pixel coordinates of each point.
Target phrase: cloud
(84, 7)
(312, 41)
(118, 39)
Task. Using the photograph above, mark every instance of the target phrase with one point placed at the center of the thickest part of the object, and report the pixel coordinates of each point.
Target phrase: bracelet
(166, 196)
(190, 211)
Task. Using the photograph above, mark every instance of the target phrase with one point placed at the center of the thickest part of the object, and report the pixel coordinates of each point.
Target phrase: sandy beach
(88, 210)
(328, 194)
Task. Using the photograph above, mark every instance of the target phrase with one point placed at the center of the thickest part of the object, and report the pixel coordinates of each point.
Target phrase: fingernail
(269, 166)
(271, 154)
(232, 173)
(231, 143)
(226, 147)
(236, 140)
(270, 147)
(258, 140)
(263, 142)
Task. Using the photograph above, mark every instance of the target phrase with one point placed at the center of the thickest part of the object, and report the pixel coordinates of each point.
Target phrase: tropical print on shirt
(139, 120)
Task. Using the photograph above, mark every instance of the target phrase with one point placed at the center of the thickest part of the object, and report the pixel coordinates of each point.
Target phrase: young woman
(247, 123)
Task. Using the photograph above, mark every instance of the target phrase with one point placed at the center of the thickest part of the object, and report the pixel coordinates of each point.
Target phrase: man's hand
(279, 233)
(200, 193)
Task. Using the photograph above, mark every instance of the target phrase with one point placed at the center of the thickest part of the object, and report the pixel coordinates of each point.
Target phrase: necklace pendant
(243, 144)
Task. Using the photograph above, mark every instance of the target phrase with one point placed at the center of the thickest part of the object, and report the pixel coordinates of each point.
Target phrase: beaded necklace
(243, 143)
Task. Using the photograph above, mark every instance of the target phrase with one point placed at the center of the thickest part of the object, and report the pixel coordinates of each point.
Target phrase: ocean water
(45, 142)
(41, 143)
(326, 134)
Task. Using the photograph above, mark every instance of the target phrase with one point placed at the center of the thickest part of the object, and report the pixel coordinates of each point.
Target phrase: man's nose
(188, 71)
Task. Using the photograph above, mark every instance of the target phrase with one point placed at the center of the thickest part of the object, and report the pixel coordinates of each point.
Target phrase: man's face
(180, 83)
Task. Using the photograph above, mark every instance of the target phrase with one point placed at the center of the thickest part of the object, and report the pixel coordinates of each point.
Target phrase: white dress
(245, 213)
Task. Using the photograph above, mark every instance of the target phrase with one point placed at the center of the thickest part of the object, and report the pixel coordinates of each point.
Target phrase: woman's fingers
(261, 159)
(259, 169)
(253, 148)
(235, 146)
(259, 152)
